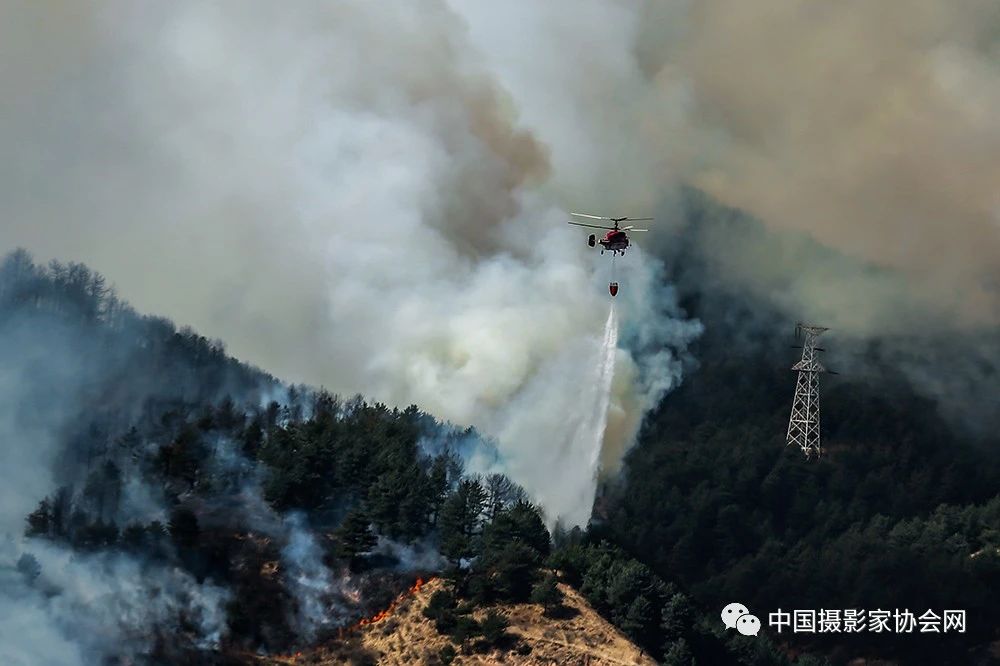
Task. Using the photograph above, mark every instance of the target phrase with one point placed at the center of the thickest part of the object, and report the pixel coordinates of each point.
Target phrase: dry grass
(579, 636)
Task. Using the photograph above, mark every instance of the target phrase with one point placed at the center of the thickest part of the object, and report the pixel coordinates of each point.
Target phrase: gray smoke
(419, 556)
(58, 606)
(371, 197)
(341, 192)
(78, 609)
(859, 135)
(312, 583)
(865, 127)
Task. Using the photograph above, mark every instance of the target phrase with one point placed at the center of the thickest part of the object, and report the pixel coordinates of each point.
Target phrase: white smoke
(864, 127)
(419, 556)
(309, 579)
(81, 609)
(340, 191)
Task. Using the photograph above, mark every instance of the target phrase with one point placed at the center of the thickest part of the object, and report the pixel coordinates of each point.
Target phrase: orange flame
(378, 617)
(383, 614)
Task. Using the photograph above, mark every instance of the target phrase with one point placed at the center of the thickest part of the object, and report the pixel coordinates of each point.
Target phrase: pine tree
(677, 616)
(441, 610)
(501, 493)
(437, 487)
(355, 535)
(62, 505)
(678, 653)
(509, 572)
(494, 627)
(521, 522)
(637, 618)
(40, 520)
(460, 519)
(546, 593)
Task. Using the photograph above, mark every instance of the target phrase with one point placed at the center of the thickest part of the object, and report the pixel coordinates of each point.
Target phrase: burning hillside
(390, 610)
(402, 634)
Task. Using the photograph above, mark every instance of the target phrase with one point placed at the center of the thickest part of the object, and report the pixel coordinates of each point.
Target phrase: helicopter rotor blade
(631, 228)
(636, 219)
(593, 217)
(592, 226)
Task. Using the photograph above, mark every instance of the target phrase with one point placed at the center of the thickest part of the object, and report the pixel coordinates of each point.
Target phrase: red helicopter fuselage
(614, 240)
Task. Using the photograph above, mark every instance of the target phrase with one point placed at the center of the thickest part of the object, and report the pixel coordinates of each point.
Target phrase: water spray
(591, 429)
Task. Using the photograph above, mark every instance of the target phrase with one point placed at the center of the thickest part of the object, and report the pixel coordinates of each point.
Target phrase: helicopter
(615, 241)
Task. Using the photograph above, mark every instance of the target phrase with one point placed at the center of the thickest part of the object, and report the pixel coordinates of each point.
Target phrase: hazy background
(371, 197)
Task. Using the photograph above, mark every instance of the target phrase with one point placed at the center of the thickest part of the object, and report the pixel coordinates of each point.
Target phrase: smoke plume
(859, 135)
(342, 192)
(371, 197)
(866, 128)
(68, 608)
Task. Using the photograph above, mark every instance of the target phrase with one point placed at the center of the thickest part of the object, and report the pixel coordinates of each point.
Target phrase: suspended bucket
(613, 288)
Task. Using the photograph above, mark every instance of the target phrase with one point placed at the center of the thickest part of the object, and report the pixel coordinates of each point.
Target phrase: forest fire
(383, 614)
(364, 622)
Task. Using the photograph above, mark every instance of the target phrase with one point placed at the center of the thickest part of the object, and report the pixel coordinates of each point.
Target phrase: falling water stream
(591, 429)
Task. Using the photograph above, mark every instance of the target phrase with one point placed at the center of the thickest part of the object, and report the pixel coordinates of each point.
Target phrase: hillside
(227, 517)
(901, 512)
(577, 636)
(221, 513)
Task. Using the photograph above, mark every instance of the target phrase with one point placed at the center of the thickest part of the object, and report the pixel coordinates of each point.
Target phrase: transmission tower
(803, 425)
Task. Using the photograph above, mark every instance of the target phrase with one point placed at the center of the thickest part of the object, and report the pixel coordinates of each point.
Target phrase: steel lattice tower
(803, 425)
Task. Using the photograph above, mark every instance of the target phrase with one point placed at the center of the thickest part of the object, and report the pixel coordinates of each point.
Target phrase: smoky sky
(866, 128)
(345, 194)
(371, 197)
